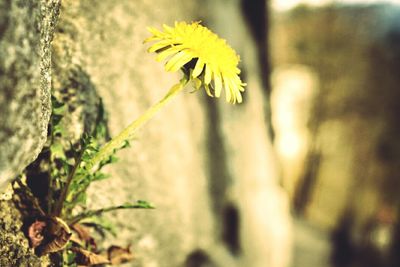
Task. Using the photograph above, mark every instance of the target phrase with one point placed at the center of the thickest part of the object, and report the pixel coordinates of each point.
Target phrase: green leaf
(125, 145)
(109, 160)
(57, 151)
(56, 119)
(86, 157)
(100, 225)
(60, 110)
(67, 167)
(100, 130)
(58, 130)
(92, 148)
(55, 103)
(69, 257)
(98, 176)
(140, 204)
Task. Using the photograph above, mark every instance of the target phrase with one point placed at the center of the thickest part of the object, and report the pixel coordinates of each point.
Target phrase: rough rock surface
(26, 30)
(14, 247)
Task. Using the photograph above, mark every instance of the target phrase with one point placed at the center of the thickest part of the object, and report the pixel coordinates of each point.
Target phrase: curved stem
(129, 131)
(64, 191)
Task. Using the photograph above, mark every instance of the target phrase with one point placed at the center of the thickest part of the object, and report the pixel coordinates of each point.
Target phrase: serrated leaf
(66, 166)
(101, 225)
(100, 176)
(86, 157)
(70, 258)
(55, 103)
(140, 204)
(125, 145)
(101, 131)
(57, 151)
(80, 199)
(109, 160)
(59, 110)
(58, 130)
(56, 118)
(92, 148)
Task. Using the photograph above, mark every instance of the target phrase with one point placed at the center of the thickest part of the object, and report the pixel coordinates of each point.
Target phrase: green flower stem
(129, 131)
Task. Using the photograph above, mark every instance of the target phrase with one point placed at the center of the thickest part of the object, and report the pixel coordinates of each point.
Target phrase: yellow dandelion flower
(205, 58)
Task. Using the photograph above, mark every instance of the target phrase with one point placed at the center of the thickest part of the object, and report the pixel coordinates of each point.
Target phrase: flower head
(207, 59)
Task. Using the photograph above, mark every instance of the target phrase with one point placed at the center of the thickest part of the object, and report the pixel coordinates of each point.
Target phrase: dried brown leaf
(57, 236)
(118, 255)
(35, 233)
(84, 235)
(88, 258)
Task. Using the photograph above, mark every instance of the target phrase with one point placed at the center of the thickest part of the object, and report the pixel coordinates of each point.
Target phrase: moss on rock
(14, 246)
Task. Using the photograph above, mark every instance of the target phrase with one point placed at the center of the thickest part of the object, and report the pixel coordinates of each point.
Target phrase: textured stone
(26, 30)
(14, 247)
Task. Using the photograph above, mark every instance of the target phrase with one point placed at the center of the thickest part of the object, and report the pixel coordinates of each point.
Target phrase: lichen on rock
(14, 246)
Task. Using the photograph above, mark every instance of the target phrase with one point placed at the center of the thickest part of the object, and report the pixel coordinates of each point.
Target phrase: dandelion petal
(177, 61)
(207, 76)
(158, 46)
(228, 89)
(198, 68)
(218, 83)
(166, 53)
(208, 91)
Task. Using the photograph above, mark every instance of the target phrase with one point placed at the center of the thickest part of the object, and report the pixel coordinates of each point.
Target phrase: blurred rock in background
(341, 63)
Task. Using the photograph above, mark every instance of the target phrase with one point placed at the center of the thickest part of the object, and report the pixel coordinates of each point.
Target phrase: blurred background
(336, 120)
